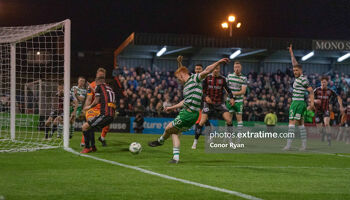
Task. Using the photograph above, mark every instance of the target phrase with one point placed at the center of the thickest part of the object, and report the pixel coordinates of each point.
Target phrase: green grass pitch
(57, 174)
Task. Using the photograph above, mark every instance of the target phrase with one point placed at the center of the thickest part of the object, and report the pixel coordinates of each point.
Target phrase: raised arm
(294, 61)
(179, 61)
(211, 68)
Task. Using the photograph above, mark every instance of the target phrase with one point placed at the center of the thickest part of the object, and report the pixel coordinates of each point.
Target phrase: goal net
(34, 87)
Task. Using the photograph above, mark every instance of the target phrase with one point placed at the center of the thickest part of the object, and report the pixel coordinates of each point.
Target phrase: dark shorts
(320, 115)
(214, 108)
(56, 113)
(100, 121)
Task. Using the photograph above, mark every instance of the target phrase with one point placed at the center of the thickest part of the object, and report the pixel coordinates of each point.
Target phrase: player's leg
(319, 125)
(228, 118)
(174, 132)
(225, 114)
(176, 147)
(89, 134)
(291, 130)
(303, 135)
(103, 135)
(170, 129)
(102, 121)
(198, 129)
(347, 132)
(54, 126)
(291, 125)
(89, 115)
(48, 123)
(296, 112)
(238, 109)
(203, 120)
(185, 120)
(340, 134)
(86, 131)
(72, 121)
(327, 129)
(59, 125)
(194, 145)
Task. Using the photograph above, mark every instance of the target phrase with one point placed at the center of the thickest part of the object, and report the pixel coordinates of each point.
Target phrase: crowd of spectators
(149, 91)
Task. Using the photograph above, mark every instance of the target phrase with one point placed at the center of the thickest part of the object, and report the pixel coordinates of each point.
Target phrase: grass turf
(56, 174)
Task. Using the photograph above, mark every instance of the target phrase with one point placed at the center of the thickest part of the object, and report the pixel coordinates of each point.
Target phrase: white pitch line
(245, 196)
(331, 154)
(348, 156)
(265, 167)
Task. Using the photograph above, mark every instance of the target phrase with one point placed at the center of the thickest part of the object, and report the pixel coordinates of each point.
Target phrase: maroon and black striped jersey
(60, 102)
(325, 95)
(107, 99)
(214, 87)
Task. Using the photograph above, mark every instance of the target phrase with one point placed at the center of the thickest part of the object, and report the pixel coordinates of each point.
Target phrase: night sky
(100, 24)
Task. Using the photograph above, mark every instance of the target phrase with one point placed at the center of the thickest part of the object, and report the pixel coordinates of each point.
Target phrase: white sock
(291, 129)
(102, 138)
(240, 127)
(195, 141)
(161, 139)
(303, 143)
(176, 153)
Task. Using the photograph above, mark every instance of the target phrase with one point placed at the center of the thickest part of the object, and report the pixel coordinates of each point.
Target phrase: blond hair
(101, 70)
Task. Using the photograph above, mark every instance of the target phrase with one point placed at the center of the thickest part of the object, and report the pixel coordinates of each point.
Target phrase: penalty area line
(242, 195)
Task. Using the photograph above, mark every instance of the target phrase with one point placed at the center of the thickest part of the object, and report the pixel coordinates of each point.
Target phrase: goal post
(34, 63)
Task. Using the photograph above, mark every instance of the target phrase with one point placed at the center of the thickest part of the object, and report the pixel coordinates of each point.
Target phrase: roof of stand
(198, 47)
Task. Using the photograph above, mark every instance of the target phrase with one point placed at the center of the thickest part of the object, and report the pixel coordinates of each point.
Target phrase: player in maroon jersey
(347, 112)
(214, 100)
(57, 111)
(347, 123)
(105, 96)
(325, 96)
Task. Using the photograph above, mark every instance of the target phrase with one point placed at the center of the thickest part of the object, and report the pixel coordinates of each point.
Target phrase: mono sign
(331, 45)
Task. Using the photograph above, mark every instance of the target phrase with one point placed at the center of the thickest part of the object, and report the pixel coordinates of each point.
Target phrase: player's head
(324, 81)
(297, 70)
(198, 68)
(101, 72)
(100, 80)
(182, 74)
(237, 67)
(81, 81)
(216, 71)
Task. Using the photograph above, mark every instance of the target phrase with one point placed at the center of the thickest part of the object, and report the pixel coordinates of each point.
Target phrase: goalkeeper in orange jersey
(93, 112)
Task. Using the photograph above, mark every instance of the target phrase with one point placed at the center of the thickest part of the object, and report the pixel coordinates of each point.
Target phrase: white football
(135, 148)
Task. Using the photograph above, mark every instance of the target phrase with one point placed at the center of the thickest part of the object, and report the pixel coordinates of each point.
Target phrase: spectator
(138, 123)
(270, 120)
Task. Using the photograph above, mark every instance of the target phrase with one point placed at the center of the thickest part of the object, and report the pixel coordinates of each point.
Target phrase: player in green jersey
(237, 82)
(296, 111)
(191, 104)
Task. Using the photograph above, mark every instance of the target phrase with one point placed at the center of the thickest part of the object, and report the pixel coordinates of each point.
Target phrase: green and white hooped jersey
(235, 83)
(193, 92)
(80, 92)
(300, 86)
